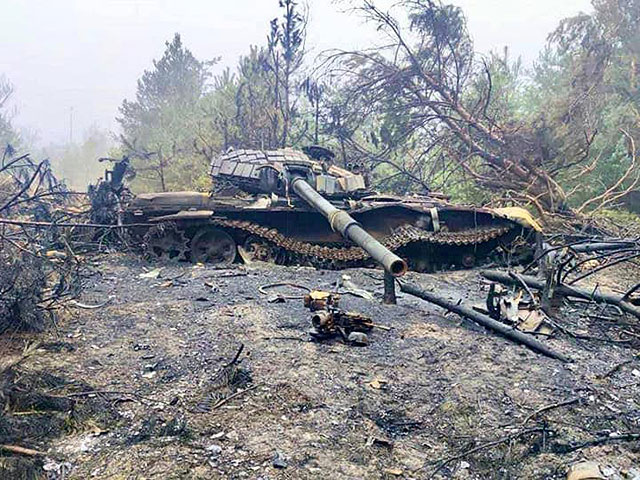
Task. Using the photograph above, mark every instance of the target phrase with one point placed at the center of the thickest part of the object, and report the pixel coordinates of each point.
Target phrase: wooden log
(484, 320)
(565, 290)
(22, 451)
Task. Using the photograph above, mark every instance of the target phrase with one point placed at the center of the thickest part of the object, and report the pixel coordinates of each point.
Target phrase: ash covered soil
(435, 396)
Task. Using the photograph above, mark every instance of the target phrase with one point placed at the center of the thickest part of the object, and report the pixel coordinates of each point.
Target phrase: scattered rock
(358, 338)
(380, 442)
(279, 460)
(585, 471)
(277, 298)
(214, 450)
(393, 471)
(56, 469)
(150, 367)
(155, 273)
(377, 383)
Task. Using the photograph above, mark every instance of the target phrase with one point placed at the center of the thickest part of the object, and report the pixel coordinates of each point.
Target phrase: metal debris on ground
(346, 285)
(277, 298)
(621, 301)
(511, 307)
(320, 300)
(330, 321)
(264, 290)
(484, 320)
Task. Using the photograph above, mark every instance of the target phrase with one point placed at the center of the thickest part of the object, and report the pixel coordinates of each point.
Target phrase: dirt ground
(435, 396)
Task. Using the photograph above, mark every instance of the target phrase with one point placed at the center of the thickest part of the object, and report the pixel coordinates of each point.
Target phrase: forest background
(418, 111)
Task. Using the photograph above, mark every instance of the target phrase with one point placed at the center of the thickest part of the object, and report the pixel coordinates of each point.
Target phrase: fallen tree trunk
(565, 290)
(483, 320)
(604, 246)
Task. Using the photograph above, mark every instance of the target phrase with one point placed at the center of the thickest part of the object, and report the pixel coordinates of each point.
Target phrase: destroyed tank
(288, 207)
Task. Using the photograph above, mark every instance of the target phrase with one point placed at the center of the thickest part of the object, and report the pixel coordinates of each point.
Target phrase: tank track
(306, 253)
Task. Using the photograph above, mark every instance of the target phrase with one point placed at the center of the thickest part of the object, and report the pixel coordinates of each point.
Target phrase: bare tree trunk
(163, 185)
(315, 136)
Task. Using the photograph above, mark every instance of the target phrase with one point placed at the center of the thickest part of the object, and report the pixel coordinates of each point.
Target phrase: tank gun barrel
(344, 224)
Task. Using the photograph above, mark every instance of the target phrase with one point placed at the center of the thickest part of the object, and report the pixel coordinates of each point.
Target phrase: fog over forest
(170, 85)
(92, 53)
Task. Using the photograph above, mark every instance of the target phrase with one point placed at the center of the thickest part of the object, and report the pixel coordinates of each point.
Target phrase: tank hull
(428, 234)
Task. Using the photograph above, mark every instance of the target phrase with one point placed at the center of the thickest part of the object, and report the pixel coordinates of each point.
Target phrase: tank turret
(256, 171)
(287, 172)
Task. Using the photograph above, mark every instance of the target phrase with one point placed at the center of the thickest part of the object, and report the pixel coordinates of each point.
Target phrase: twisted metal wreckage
(265, 206)
(264, 209)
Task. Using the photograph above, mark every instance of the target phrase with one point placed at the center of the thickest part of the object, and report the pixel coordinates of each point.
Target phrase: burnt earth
(430, 389)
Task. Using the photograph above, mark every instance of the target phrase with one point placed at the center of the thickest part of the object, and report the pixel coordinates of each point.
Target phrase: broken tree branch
(546, 408)
(618, 189)
(606, 265)
(25, 223)
(601, 440)
(24, 188)
(232, 396)
(605, 246)
(517, 277)
(484, 446)
(22, 451)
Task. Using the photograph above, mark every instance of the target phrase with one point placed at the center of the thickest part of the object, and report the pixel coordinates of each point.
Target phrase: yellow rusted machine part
(520, 215)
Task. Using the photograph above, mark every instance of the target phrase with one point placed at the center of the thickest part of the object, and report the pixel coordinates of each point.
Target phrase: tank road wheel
(256, 249)
(468, 260)
(166, 242)
(211, 245)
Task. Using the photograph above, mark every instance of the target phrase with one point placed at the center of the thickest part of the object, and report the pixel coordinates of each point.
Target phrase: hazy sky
(88, 54)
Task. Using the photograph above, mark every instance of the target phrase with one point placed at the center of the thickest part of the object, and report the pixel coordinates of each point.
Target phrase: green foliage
(621, 217)
(242, 106)
(258, 105)
(178, 122)
(285, 46)
(165, 94)
(160, 126)
(586, 90)
(425, 113)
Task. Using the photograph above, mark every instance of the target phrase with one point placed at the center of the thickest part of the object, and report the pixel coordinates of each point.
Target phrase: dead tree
(425, 87)
(286, 48)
